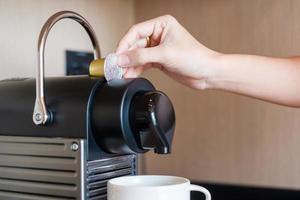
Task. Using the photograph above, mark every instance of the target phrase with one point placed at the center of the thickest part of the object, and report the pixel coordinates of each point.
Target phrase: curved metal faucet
(41, 115)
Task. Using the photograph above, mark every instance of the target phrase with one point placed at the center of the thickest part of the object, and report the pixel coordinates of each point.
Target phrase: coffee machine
(63, 138)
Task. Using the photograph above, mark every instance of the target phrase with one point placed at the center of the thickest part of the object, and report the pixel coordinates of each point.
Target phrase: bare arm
(272, 79)
(178, 54)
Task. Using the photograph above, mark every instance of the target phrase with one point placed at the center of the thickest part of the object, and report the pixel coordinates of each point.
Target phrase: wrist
(212, 70)
(223, 73)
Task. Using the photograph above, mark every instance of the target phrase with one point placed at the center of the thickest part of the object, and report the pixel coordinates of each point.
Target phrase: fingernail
(123, 60)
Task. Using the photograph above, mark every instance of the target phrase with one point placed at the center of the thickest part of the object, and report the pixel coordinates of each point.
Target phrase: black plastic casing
(105, 113)
(82, 107)
(66, 98)
(112, 128)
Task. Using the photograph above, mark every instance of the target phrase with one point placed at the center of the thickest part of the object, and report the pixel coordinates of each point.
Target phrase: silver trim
(41, 168)
(83, 150)
(41, 115)
(38, 168)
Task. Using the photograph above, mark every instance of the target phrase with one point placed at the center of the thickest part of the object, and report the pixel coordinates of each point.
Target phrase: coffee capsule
(107, 67)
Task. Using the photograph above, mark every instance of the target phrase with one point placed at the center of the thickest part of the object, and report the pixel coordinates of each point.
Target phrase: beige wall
(21, 21)
(223, 137)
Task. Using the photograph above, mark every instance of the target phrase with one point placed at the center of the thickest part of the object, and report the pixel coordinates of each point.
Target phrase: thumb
(140, 57)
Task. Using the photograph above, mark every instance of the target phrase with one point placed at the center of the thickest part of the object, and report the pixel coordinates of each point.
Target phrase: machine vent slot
(38, 169)
(100, 171)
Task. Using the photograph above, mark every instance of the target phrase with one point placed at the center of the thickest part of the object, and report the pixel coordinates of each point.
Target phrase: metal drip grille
(100, 171)
(39, 169)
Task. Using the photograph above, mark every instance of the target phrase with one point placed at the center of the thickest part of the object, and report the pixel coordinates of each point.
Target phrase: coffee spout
(154, 121)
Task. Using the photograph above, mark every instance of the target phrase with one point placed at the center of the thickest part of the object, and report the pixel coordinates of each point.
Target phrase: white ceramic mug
(152, 188)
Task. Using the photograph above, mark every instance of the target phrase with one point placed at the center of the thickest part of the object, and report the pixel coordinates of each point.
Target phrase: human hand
(172, 49)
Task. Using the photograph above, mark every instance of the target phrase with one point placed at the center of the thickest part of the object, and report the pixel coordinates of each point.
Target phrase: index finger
(138, 32)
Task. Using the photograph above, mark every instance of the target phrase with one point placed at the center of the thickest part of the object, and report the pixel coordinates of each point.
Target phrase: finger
(142, 43)
(141, 30)
(134, 34)
(133, 72)
(141, 57)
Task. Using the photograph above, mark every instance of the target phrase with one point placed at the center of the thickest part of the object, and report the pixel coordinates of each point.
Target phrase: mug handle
(201, 189)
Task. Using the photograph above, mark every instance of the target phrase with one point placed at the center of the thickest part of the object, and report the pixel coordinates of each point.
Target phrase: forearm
(272, 79)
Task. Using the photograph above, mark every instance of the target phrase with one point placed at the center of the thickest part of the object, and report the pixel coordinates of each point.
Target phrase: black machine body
(120, 116)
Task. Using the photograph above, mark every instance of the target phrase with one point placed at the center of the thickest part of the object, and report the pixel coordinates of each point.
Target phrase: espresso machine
(63, 138)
